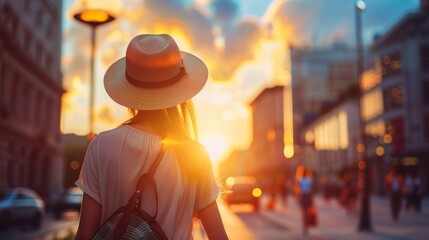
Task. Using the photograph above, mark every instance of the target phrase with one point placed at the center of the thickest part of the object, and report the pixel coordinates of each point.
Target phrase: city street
(333, 222)
(284, 222)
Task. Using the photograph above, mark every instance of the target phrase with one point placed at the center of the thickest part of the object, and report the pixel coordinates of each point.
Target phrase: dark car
(243, 190)
(71, 200)
(21, 205)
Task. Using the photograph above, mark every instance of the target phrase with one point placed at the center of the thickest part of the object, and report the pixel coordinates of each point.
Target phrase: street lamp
(93, 18)
(363, 166)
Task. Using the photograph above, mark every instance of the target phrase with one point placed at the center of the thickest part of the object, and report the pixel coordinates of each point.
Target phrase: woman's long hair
(177, 122)
(178, 127)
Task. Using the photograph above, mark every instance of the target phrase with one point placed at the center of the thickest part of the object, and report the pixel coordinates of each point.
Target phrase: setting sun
(216, 146)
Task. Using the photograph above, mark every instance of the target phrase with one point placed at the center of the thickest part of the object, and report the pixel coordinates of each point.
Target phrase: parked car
(21, 205)
(243, 190)
(71, 200)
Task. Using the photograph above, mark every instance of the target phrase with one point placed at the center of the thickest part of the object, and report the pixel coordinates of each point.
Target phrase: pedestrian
(156, 82)
(350, 193)
(413, 192)
(394, 187)
(305, 184)
(284, 189)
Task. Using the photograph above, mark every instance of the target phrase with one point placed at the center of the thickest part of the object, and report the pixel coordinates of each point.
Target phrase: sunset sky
(243, 42)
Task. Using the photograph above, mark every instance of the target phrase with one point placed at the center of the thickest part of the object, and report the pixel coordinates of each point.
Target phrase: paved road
(284, 222)
(333, 223)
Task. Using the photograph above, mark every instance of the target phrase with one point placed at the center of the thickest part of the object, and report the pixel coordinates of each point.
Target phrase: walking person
(284, 189)
(394, 185)
(350, 193)
(305, 184)
(156, 82)
(413, 192)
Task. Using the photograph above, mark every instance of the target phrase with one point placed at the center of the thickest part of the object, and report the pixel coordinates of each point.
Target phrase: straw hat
(154, 74)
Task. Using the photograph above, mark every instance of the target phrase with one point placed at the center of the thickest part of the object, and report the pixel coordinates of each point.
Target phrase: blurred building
(267, 147)
(320, 78)
(395, 104)
(330, 141)
(265, 157)
(30, 95)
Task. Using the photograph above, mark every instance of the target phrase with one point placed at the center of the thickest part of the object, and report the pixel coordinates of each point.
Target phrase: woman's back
(118, 158)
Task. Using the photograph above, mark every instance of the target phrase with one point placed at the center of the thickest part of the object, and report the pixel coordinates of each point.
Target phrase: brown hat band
(159, 84)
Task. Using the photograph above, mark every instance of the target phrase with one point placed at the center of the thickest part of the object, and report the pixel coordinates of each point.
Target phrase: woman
(156, 81)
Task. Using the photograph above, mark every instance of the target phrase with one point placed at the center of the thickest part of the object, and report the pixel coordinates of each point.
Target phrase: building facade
(331, 141)
(320, 77)
(395, 105)
(268, 145)
(30, 96)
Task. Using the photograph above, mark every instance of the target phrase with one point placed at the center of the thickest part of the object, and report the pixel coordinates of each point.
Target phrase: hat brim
(131, 96)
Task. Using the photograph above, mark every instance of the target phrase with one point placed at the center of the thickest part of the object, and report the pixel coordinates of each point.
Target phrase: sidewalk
(334, 223)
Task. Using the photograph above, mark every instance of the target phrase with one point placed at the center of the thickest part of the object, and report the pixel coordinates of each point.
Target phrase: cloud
(218, 32)
(194, 27)
(315, 22)
(224, 11)
(338, 34)
(76, 60)
(73, 108)
(240, 42)
(289, 20)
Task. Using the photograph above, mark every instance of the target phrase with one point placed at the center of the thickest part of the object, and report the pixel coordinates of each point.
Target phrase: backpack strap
(144, 180)
(157, 160)
(152, 169)
(135, 199)
(148, 180)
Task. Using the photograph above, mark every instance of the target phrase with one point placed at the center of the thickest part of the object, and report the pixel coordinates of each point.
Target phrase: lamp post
(93, 18)
(363, 166)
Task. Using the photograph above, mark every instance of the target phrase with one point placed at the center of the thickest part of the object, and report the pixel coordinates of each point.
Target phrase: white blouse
(115, 160)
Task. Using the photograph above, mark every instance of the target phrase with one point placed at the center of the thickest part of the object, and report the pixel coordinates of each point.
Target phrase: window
(425, 92)
(391, 64)
(9, 89)
(426, 126)
(393, 98)
(26, 99)
(1, 83)
(340, 76)
(395, 127)
(372, 104)
(424, 57)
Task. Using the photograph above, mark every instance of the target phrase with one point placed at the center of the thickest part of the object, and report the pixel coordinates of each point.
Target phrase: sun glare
(216, 147)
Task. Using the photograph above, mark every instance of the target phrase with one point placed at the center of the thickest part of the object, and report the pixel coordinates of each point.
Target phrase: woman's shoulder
(109, 132)
(126, 131)
(192, 156)
(188, 147)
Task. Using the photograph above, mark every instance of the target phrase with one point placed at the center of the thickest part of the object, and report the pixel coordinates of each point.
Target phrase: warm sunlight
(216, 146)
(74, 108)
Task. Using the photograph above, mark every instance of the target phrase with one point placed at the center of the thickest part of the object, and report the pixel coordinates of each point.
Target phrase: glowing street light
(360, 5)
(93, 18)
